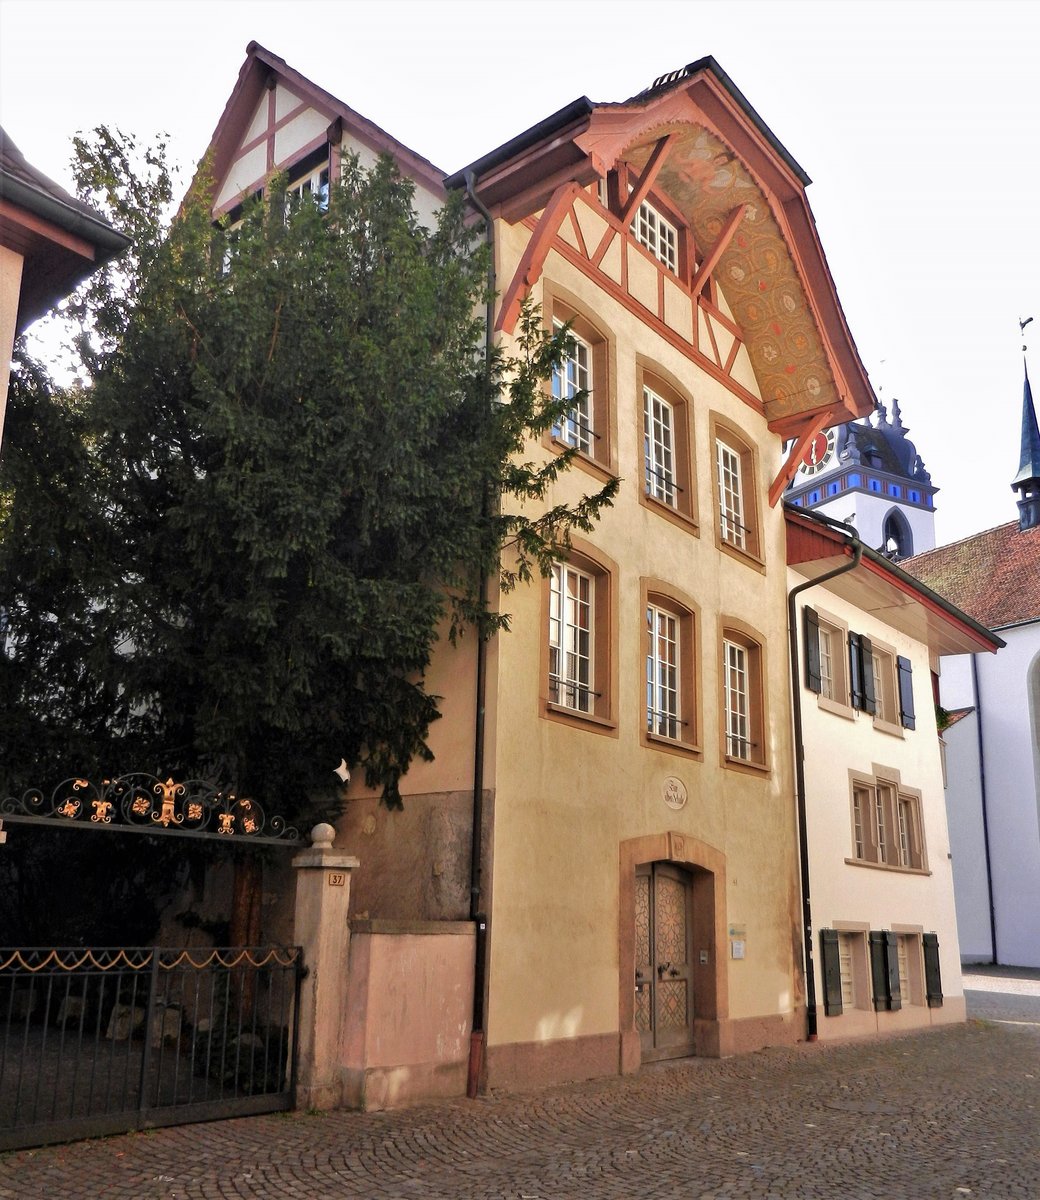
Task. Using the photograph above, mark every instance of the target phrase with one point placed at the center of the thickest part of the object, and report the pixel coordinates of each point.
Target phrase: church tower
(869, 474)
(1027, 481)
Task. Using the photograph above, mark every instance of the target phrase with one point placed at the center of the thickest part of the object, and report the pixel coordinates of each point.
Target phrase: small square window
(657, 234)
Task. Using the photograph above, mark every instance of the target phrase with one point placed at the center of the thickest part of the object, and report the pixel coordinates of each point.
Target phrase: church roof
(882, 444)
(1029, 467)
(991, 575)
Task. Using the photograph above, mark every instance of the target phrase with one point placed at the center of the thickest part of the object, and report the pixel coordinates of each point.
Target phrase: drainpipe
(985, 809)
(477, 1034)
(799, 763)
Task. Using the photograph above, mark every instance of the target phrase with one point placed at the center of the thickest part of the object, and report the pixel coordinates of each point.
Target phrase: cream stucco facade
(636, 862)
(846, 749)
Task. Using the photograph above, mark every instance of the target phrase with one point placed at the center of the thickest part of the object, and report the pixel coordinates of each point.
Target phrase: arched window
(898, 540)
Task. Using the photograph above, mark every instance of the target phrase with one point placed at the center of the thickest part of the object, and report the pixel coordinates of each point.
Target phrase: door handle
(661, 968)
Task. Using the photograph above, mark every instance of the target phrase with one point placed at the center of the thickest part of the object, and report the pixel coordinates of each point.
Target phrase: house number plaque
(674, 792)
(337, 879)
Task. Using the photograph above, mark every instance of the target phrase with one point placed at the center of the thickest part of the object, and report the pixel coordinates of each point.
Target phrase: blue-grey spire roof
(1029, 467)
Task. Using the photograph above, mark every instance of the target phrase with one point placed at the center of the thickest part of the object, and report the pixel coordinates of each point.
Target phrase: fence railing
(100, 1040)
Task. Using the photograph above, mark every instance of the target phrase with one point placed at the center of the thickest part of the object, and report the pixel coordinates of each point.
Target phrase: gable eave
(260, 69)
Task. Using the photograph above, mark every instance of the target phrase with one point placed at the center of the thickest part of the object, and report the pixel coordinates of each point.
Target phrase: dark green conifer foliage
(290, 472)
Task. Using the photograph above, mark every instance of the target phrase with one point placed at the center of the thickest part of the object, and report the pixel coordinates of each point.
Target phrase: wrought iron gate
(99, 1041)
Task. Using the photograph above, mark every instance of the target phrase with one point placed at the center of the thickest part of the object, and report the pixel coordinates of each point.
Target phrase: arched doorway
(673, 997)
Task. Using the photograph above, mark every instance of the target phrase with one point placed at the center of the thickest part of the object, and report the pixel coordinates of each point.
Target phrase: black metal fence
(97, 1041)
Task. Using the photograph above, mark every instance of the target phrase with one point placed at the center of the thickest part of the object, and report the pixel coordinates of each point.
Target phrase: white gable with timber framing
(277, 120)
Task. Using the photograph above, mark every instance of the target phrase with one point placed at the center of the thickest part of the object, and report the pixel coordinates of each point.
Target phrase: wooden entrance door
(664, 992)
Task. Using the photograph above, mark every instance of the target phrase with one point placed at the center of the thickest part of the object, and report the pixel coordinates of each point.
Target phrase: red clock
(818, 453)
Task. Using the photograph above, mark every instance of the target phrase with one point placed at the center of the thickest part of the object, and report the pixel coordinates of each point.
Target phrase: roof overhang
(882, 589)
(720, 155)
(60, 241)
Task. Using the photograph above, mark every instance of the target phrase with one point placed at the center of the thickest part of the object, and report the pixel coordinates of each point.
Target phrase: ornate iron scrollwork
(147, 804)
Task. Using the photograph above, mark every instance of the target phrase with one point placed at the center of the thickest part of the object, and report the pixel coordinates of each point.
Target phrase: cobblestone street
(949, 1114)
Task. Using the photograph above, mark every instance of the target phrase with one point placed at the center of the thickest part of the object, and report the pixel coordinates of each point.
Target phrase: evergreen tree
(289, 473)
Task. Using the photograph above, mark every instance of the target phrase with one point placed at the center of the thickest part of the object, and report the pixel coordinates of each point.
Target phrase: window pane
(571, 377)
(570, 638)
(738, 741)
(662, 673)
(658, 448)
(731, 500)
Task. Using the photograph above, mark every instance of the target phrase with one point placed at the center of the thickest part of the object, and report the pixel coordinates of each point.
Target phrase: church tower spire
(1027, 481)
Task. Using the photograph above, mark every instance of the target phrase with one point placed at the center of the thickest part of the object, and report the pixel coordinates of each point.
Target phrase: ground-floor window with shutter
(904, 968)
(845, 980)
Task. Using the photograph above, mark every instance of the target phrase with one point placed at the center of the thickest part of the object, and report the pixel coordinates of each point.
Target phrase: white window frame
(729, 473)
(659, 448)
(736, 669)
(663, 673)
(658, 235)
(315, 184)
(572, 377)
(572, 642)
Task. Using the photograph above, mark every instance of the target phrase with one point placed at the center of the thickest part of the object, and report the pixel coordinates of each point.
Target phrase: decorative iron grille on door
(97, 1041)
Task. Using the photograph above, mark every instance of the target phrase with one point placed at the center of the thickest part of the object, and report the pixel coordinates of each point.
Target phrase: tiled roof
(992, 575)
(14, 164)
(957, 714)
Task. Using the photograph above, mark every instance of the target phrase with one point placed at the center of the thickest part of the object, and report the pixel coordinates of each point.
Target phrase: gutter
(985, 808)
(811, 1018)
(71, 219)
(477, 1040)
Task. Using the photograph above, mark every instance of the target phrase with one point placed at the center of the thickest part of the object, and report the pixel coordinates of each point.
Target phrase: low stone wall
(407, 1012)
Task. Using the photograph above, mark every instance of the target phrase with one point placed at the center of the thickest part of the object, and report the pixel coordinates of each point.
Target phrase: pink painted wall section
(408, 1010)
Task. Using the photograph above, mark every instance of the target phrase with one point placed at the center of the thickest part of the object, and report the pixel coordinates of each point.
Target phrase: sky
(918, 121)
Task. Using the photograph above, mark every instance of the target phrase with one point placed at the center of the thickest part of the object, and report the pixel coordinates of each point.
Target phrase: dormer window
(657, 234)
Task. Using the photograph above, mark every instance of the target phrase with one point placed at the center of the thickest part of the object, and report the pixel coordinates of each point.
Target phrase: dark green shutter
(906, 693)
(869, 690)
(895, 995)
(932, 978)
(855, 671)
(813, 678)
(861, 673)
(878, 970)
(884, 969)
(831, 972)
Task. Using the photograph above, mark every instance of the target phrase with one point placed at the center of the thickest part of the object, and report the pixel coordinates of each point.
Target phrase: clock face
(818, 453)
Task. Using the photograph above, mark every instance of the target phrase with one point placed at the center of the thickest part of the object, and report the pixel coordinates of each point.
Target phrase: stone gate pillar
(322, 899)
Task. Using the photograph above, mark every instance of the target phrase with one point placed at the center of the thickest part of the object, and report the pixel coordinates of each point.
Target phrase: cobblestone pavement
(935, 1116)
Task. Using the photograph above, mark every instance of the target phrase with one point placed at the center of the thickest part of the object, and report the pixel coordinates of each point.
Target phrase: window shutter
(906, 693)
(879, 970)
(861, 673)
(932, 978)
(895, 996)
(831, 972)
(855, 670)
(813, 678)
(869, 689)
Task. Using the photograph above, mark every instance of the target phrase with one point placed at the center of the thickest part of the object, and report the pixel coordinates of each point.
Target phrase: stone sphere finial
(322, 835)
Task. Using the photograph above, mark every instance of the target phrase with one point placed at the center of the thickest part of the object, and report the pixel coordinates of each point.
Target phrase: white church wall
(967, 840)
(1010, 752)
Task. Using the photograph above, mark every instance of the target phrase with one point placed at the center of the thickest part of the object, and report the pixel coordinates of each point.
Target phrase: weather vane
(1022, 330)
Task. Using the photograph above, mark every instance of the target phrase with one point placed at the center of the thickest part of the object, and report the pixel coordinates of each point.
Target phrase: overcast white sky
(919, 122)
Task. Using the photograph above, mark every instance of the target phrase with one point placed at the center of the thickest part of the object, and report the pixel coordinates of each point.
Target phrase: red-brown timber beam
(646, 181)
(533, 260)
(790, 467)
(711, 260)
